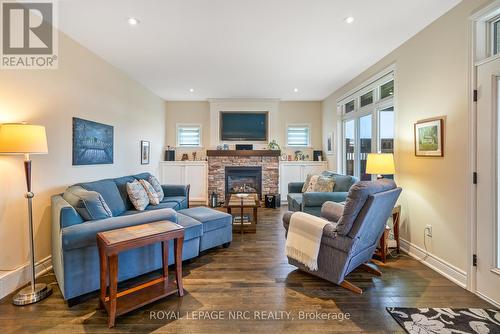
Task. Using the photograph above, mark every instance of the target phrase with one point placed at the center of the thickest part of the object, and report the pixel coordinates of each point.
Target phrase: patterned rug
(447, 320)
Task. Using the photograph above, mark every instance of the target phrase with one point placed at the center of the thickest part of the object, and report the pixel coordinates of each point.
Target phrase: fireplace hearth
(243, 179)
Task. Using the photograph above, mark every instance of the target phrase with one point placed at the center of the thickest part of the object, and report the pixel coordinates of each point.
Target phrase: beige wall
(288, 112)
(431, 80)
(84, 86)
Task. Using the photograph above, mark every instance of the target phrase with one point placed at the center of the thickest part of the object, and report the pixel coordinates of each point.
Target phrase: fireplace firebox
(243, 179)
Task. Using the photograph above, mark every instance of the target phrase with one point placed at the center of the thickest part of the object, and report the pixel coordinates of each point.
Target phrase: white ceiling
(245, 48)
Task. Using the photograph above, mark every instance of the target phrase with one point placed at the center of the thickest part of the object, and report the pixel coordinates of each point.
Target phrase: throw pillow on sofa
(157, 186)
(319, 183)
(306, 182)
(154, 198)
(89, 204)
(138, 195)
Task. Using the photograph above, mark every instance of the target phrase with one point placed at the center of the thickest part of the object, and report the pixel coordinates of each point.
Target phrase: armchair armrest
(295, 187)
(332, 211)
(318, 198)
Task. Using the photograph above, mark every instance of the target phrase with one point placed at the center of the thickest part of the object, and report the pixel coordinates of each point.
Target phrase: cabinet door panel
(196, 176)
(289, 173)
(313, 169)
(172, 174)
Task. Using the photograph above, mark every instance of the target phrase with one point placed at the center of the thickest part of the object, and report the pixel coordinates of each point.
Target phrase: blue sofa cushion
(211, 219)
(192, 228)
(181, 200)
(89, 204)
(121, 184)
(109, 191)
(294, 201)
(163, 205)
(142, 176)
(84, 235)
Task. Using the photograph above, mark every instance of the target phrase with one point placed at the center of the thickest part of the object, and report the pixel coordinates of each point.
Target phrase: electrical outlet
(428, 231)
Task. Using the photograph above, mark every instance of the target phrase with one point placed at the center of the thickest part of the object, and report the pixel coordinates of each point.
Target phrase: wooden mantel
(243, 153)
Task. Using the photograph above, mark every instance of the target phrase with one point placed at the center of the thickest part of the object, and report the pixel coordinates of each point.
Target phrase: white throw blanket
(304, 238)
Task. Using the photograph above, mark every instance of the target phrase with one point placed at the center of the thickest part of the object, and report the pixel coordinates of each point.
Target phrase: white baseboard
(12, 280)
(489, 300)
(449, 271)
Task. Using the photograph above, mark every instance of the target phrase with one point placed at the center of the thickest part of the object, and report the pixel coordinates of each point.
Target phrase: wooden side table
(252, 202)
(383, 250)
(111, 243)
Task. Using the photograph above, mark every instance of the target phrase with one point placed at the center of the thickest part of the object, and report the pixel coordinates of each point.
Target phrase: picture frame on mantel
(428, 137)
(145, 152)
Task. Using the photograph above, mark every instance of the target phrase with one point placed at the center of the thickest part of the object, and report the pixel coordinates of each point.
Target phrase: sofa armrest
(84, 235)
(295, 187)
(318, 198)
(63, 214)
(332, 211)
(176, 189)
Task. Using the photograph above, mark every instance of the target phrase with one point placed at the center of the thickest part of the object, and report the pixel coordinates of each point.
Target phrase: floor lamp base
(27, 296)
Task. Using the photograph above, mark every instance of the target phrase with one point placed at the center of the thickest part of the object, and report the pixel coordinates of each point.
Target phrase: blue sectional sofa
(74, 250)
(311, 202)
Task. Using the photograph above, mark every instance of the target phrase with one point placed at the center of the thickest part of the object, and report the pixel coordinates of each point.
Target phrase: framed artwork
(145, 152)
(429, 138)
(93, 143)
(330, 143)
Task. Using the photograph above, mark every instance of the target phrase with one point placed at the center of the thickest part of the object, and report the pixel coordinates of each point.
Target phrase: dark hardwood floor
(253, 275)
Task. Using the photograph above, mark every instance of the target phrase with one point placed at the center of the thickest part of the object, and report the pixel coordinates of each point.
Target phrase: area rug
(447, 320)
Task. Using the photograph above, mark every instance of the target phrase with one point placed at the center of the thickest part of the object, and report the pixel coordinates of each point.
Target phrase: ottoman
(217, 226)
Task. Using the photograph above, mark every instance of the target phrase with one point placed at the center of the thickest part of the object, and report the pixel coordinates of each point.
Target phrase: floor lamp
(26, 139)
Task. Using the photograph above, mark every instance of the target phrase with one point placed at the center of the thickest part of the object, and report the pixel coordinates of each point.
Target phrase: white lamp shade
(23, 139)
(380, 163)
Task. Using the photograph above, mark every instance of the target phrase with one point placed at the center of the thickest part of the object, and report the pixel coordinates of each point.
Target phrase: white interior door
(488, 272)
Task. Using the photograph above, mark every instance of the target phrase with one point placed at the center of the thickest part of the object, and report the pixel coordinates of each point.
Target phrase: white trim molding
(12, 280)
(437, 264)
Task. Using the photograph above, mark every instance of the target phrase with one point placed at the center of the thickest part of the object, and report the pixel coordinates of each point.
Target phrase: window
(387, 89)
(369, 128)
(188, 135)
(366, 99)
(349, 106)
(496, 36)
(298, 135)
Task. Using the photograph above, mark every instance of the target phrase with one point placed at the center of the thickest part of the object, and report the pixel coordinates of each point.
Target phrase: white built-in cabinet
(194, 173)
(296, 171)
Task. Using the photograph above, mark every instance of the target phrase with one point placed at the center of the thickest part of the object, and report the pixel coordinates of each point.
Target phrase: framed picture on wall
(93, 143)
(429, 137)
(330, 143)
(145, 152)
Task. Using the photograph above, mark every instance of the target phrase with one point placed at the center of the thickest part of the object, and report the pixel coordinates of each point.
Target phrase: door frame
(478, 53)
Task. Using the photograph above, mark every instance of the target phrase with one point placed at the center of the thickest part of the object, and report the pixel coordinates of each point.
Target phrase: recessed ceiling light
(296, 90)
(191, 90)
(133, 21)
(349, 19)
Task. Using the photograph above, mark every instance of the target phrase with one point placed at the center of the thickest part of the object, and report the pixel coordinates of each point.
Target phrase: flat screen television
(243, 126)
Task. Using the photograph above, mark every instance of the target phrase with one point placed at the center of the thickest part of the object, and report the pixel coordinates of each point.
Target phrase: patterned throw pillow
(320, 183)
(157, 187)
(154, 199)
(137, 195)
(306, 183)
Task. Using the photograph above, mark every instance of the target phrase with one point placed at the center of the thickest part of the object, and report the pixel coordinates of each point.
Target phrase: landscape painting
(92, 143)
(429, 138)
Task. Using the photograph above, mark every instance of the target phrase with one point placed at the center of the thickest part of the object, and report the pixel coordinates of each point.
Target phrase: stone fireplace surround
(217, 163)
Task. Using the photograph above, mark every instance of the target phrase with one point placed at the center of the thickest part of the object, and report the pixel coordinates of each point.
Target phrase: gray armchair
(311, 202)
(350, 239)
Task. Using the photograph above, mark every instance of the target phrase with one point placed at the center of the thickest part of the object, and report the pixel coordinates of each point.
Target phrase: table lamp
(380, 164)
(26, 139)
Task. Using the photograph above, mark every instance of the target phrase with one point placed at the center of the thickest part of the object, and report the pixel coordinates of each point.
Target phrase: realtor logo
(29, 39)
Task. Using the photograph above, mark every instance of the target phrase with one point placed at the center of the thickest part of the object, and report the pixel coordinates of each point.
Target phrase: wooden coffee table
(111, 243)
(252, 202)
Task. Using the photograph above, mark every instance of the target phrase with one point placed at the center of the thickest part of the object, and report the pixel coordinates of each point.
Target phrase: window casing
(369, 126)
(298, 135)
(189, 135)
